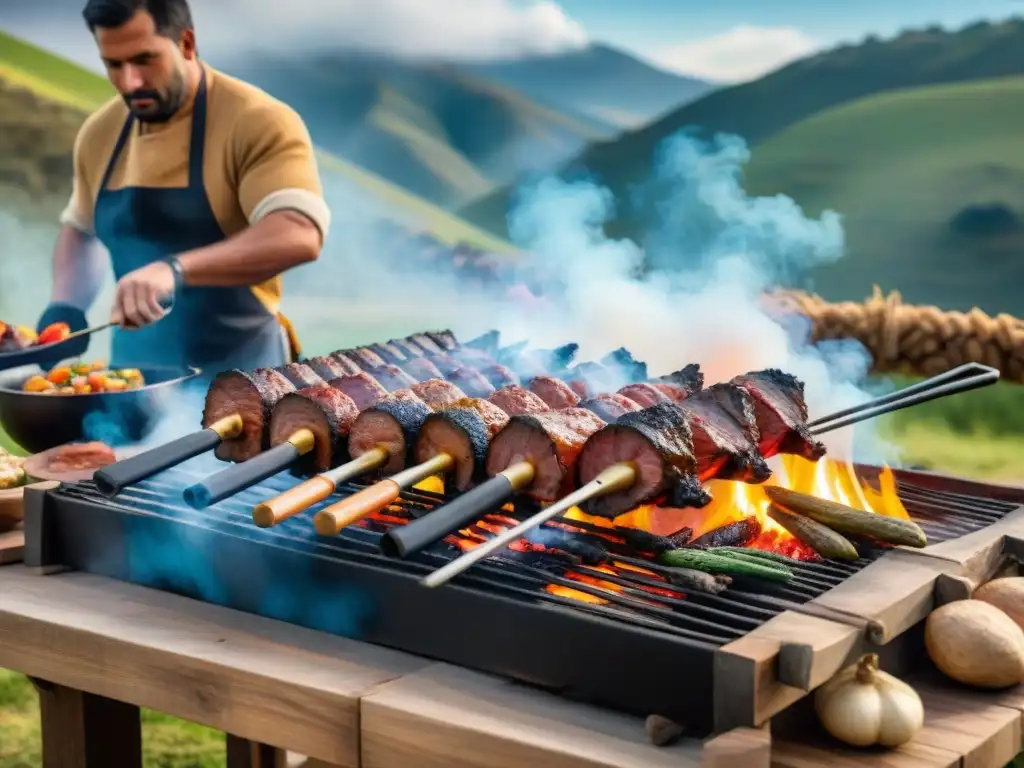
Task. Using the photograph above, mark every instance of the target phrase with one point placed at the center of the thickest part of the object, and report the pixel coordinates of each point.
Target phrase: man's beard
(164, 104)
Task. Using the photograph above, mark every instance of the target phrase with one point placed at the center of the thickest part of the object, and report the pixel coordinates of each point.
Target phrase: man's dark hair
(172, 17)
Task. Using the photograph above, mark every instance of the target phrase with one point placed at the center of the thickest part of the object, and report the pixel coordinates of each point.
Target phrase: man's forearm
(78, 269)
(275, 244)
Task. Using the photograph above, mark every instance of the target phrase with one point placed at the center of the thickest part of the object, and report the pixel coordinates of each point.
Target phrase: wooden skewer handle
(292, 502)
(330, 521)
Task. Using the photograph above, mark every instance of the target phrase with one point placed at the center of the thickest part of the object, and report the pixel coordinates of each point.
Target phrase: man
(203, 189)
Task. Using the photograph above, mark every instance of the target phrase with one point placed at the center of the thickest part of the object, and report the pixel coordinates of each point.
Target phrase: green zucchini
(844, 519)
(815, 535)
(774, 557)
(703, 560)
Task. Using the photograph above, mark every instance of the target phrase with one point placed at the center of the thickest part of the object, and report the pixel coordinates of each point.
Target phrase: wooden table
(105, 648)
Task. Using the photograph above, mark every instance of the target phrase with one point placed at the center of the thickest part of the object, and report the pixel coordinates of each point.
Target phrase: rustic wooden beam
(82, 730)
(241, 674)
(448, 717)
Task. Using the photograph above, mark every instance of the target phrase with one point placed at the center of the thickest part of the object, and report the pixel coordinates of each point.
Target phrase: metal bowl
(38, 422)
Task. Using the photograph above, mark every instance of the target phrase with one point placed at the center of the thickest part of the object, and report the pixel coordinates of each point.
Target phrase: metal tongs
(963, 378)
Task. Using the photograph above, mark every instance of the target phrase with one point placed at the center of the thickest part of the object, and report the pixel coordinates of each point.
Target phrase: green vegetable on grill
(704, 560)
(815, 535)
(773, 557)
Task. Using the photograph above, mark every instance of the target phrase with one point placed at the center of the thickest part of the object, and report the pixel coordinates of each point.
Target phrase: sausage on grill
(324, 410)
(392, 424)
(438, 393)
(555, 392)
(514, 400)
(252, 396)
(364, 390)
(463, 431)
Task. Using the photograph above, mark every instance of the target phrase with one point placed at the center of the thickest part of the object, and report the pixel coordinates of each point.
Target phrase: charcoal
(736, 534)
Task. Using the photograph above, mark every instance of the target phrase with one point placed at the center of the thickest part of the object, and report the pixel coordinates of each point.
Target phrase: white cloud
(738, 54)
(448, 29)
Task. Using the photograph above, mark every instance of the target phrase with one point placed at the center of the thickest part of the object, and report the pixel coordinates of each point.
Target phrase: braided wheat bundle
(920, 340)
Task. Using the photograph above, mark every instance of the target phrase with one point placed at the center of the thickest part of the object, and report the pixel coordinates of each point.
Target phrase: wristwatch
(179, 273)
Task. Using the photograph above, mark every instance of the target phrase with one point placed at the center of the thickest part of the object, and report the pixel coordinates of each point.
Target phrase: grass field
(899, 167)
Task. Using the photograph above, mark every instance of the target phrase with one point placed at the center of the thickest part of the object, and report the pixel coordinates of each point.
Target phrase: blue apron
(210, 328)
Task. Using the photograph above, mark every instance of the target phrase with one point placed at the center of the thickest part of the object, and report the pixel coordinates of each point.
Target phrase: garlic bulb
(862, 706)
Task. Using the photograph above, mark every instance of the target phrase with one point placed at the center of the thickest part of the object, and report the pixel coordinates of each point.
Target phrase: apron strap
(118, 148)
(294, 346)
(197, 143)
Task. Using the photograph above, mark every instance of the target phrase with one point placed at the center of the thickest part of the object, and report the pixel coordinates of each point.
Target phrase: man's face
(147, 69)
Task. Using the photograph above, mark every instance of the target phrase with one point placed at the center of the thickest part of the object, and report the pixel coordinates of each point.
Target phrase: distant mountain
(439, 131)
(760, 109)
(600, 81)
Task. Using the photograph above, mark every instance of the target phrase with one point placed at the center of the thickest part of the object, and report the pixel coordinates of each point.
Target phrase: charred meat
(554, 392)
(366, 358)
(515, 401)
(643, 394)
(364, 390)
(327, 412)
(499, 376)
(391, 424)
(781, 413)
(301, 375)
(327, 367)
(444, 339)
(349, 364)
(392, 378)
(407, 348)
(421, 369)
(427, 344)
(725, 436)
(252, 396)
(689, 378)
(463, 431)
(551, 441)
(610, 406)
(445, 363)
(658, 442)
(389, 352)
(438, 393)
(470, 381)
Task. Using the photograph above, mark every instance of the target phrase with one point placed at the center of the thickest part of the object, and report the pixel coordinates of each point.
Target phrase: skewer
(330, 520)
(304, 495)
(226, 482)
(614, 478)
(111, 480)
(617, 477)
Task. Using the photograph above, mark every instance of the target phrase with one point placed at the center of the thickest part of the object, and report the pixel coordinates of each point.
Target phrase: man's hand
(137, 300)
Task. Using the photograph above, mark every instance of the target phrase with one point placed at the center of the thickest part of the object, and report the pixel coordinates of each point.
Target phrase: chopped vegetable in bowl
(82, 378)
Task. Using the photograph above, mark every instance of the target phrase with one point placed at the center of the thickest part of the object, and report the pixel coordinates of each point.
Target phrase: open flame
(732, 502)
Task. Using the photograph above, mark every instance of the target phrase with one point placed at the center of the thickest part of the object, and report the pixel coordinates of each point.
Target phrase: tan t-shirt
(258, 159)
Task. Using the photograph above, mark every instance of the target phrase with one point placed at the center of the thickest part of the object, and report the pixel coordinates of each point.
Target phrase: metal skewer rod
(617, 477)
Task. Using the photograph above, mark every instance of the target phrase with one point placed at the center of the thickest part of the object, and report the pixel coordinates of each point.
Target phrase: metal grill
(502, 616)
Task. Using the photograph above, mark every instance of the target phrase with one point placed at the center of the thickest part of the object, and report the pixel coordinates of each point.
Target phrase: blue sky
(726, 40)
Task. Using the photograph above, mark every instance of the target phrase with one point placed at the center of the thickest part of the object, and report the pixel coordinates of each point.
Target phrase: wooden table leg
(83, 730)
(243, 753)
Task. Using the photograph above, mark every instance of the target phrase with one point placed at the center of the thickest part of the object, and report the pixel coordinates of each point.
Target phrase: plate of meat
(70, 463)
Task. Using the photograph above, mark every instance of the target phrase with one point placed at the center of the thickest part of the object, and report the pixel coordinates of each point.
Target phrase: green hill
(763, 108)
(441, 132)
(930, 182)
(43, 99)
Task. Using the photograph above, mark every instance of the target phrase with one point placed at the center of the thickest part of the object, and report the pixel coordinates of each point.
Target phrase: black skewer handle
(238, 477)
(111, 480)
(453, 516)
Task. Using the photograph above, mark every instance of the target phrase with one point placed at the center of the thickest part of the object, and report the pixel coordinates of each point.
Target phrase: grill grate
(505, 615)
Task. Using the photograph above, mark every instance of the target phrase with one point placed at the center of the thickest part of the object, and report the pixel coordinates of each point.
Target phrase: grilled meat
(392, 424)
(725, 435)
(421, 369)
(463, 431)
(349, 364)
(438, 393)
(301, 375)
(689, 378)
(389, 352)
(445, 363)
(658, 442)
(499, 376)
(781, 413)
(444, 339)
(364, 390)
(551, 441)
(554, 392)
(514, 400)
(328, 412)
(366, 358)
(407, 348)
(327, 367)
(474, 358)
(610, 406)
(470, 381)
(643, 394)
(252, 396)
(427, 344)
(392, 378)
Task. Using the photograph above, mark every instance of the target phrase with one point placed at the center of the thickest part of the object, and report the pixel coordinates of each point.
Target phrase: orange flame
(734, 501)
